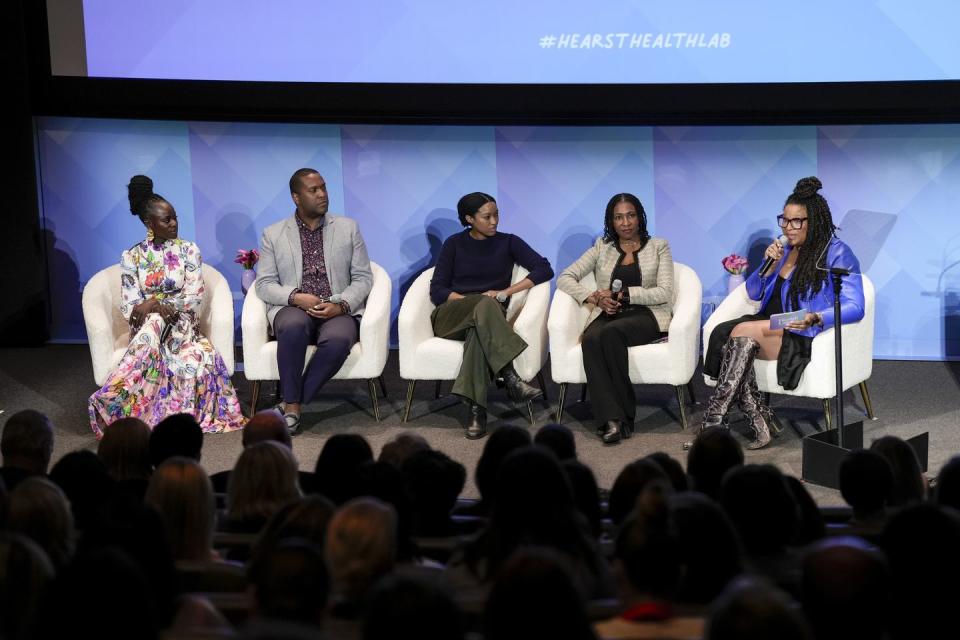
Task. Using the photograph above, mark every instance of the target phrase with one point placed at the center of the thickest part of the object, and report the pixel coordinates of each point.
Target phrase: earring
(149, 234)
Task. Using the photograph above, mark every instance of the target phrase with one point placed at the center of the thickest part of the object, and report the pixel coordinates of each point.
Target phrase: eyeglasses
(793, 223)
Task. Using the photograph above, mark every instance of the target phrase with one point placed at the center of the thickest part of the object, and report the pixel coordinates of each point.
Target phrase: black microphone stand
(836, 273)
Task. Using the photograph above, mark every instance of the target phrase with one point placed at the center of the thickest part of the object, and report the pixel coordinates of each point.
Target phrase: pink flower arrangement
(734, 264)
(247, 258)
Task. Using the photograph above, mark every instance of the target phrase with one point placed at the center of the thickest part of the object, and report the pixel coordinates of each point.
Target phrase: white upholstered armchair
(672, 362)
(819, 378)
(108, 334)
(366, 360)
(424, 356)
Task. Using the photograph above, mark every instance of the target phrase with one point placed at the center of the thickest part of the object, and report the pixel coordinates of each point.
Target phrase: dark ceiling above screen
(503, 60)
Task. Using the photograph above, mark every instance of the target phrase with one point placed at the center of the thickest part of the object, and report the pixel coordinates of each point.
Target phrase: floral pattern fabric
(184, 374)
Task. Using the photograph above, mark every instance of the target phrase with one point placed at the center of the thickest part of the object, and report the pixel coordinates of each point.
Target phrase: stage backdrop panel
(711, 191)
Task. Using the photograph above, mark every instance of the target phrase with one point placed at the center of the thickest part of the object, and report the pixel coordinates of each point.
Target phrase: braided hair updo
(807, 279)
(610, 234)
(141, 196)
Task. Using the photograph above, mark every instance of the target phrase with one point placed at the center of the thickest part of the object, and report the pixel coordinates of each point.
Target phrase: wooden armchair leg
(866, 400)
(372, 390)
(406, 409)
(683, 411)
(563, 396)
(254, 397)
(828, 413)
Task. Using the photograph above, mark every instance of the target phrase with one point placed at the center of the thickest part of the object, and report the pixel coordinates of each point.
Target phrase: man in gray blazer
(314, 276)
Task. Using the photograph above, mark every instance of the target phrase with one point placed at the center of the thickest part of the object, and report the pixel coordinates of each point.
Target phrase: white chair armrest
(531, 325)
(98, 318)
(413, 323)
(255, 331)
(375, 322)
(566, 322)
(218, 315)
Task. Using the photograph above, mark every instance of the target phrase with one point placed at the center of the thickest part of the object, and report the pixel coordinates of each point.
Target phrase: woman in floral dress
(169, 367)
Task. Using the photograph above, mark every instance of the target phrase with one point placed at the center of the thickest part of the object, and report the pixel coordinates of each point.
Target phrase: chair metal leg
(406, 410)
(383, 386)
(693, 396)
(683, 411)
(828, 413)
(866, 400)
(583, 392)
(254, 397)
(563, 396)
(543, 386)
(436, 393)
(372, 390)
(530, 413)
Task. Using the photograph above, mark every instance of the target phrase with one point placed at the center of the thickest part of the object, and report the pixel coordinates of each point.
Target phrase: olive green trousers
(489, 343)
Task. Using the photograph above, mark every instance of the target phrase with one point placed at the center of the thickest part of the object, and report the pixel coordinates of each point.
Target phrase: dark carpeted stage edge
(909, 398)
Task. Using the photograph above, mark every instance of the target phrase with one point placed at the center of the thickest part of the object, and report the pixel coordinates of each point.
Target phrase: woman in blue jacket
(798, 280)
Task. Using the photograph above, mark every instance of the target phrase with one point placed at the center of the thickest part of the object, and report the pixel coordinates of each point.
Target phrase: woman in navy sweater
(471, 286)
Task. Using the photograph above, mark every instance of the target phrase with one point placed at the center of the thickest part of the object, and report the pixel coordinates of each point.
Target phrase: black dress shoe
(477, 427)
(612, 432)
(519, 391)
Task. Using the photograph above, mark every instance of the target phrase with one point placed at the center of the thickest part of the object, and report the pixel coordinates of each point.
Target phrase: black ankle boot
(612, 432)
(518, 390)
(477, 427)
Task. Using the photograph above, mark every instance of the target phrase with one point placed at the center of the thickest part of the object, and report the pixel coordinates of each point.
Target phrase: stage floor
(909, 398)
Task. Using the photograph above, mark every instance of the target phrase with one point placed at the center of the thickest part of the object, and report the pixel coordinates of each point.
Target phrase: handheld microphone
(501, 297)
(769, 261)
(616, 286)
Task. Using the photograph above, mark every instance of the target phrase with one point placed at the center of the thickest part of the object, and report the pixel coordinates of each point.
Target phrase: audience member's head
(27, 442)
(629, 484)
(866, 482)
(84, 479)
(534, 506)
(709, 544)
(177, 435)
(385, 482)
(714, 452)
(76, 606)
(336, 470)
(750, 609)
(535, 596)
(948, 484)
(649, 557)
(360, 547)
(125, 449)
(845, 589)
(181, 492)
(304, 519)
(761, 507)
(39, 510)
(405, 607)
(266, 425)
(923, 556)
(25, 575)
(559, 439)
(402, 446)
(909, 485)
(673, 468)
(264, 479)
(498, 446)
(810, 525)
(586, 494)
(290, 583)
(434, 481)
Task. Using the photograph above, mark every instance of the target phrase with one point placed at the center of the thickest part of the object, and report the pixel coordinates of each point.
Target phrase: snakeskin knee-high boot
(758, 413)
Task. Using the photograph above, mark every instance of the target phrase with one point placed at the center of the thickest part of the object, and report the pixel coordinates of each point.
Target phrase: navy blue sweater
(468, 266)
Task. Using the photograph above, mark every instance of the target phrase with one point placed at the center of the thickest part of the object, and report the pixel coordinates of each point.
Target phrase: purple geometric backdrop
(710, 191)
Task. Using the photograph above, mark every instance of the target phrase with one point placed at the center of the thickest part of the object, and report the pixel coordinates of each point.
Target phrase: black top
(628, 274)
(467, 265)
(775, 303)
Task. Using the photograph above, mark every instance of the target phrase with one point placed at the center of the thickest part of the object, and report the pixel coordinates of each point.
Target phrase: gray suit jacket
(280, 269)
(656, 274)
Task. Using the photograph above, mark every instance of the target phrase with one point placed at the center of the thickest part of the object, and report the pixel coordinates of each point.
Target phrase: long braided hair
(610, 234)
(807, 279)
(141, 196)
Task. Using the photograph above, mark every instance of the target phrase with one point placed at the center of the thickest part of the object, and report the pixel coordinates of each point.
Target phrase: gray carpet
(908, 397)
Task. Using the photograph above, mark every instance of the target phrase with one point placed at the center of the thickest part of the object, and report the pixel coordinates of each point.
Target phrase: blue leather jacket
(851, 290)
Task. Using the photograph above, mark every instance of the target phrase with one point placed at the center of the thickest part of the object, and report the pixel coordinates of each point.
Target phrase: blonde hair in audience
(39, 510)
(181, 491)
(263, 480)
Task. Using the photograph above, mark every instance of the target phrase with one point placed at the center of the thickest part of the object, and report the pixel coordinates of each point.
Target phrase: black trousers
(605, 362)
(295, 329)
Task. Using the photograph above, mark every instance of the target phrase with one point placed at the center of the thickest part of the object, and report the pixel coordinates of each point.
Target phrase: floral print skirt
(185, 374)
